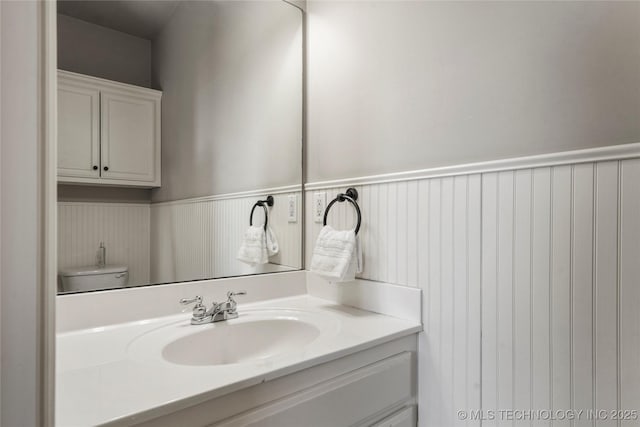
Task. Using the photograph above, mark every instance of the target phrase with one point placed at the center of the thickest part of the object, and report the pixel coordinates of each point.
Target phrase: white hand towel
(337, 255)
(253, 249)
(272, 243)
(355, 266)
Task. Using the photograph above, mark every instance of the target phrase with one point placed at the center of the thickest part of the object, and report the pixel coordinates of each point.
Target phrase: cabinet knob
(106, 168)
(95, 168)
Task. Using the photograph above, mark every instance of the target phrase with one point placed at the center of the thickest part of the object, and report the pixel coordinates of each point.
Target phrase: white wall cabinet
(108, 132)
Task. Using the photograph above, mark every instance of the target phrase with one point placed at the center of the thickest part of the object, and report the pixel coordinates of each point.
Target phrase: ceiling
(141, 18)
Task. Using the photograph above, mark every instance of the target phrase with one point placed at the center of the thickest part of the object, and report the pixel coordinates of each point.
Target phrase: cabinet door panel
(130, 130)
(78, 131)
(342, 401)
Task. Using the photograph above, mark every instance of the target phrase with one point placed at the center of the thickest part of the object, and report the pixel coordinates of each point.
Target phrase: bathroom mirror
(226, 84)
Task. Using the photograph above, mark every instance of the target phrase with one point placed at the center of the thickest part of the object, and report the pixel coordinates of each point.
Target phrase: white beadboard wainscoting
(123, 227)
(530, 272)
(199, 238)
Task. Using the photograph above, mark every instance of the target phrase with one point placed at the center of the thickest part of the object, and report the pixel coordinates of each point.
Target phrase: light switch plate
(319, 203)
(292, 208)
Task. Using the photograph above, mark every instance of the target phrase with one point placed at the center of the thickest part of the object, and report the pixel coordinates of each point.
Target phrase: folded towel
(272, 243)
(253, 249)
(337, 255)
(355, 266)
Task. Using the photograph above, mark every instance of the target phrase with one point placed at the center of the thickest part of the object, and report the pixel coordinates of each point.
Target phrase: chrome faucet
(218, 312)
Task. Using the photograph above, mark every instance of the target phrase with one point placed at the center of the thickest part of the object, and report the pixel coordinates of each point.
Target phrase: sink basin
(253, 337)
(226, 343)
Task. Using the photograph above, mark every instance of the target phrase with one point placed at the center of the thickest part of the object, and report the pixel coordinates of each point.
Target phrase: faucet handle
(197, 300)
(199, 310)
(230, 304)
(232, 294)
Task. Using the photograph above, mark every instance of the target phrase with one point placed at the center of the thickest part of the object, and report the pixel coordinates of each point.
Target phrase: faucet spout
(218, 312)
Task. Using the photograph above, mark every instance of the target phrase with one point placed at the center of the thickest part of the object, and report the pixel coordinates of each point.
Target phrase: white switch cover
(319, 203)
(292, 208)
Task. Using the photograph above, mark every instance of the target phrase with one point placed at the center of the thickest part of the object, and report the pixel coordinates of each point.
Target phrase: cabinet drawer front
(342, 401)
(130, 137)
(78, 131)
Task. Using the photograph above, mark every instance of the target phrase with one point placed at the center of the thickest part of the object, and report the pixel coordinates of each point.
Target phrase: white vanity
(296, 360)
(295, 351)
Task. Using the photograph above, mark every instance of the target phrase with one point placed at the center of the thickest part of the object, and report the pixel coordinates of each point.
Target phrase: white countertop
(101, 377)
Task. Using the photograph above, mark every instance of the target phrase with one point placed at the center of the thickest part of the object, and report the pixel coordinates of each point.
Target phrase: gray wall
(397, 86)
(102, 52)
(232, 93)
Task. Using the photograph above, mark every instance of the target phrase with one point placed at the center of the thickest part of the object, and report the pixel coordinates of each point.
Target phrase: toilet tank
(91, 278)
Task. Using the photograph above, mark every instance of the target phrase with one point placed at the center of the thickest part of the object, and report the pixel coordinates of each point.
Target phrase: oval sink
(226, 343)
(255, 336)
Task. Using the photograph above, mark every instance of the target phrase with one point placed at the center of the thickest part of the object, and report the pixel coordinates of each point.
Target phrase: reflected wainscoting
(200, 237)
(530, 271)
(123, 227)
(175, 241)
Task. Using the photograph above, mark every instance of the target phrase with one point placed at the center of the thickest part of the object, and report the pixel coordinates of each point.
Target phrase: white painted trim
(238, 195)
(402, 302)
(92, 81)
(109, 204)
(298, 4)
(106, 182)
(49, 219)
(1, 210)
(614, 152)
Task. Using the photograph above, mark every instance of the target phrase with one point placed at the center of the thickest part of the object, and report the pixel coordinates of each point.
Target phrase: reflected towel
(253, 250)
(272, 243)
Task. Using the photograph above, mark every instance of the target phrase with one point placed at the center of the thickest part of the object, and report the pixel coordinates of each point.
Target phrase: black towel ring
(351, 195)
(264, 203)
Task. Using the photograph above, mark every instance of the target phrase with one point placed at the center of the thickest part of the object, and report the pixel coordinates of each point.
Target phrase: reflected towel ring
(264, 203)
(351, 196)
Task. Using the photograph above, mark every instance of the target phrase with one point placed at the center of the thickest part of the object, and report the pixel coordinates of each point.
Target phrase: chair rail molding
(587, 155)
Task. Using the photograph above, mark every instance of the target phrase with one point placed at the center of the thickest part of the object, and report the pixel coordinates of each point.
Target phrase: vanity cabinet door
(78, 131)
(130, 135)
(358, 398)
(406, 417)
